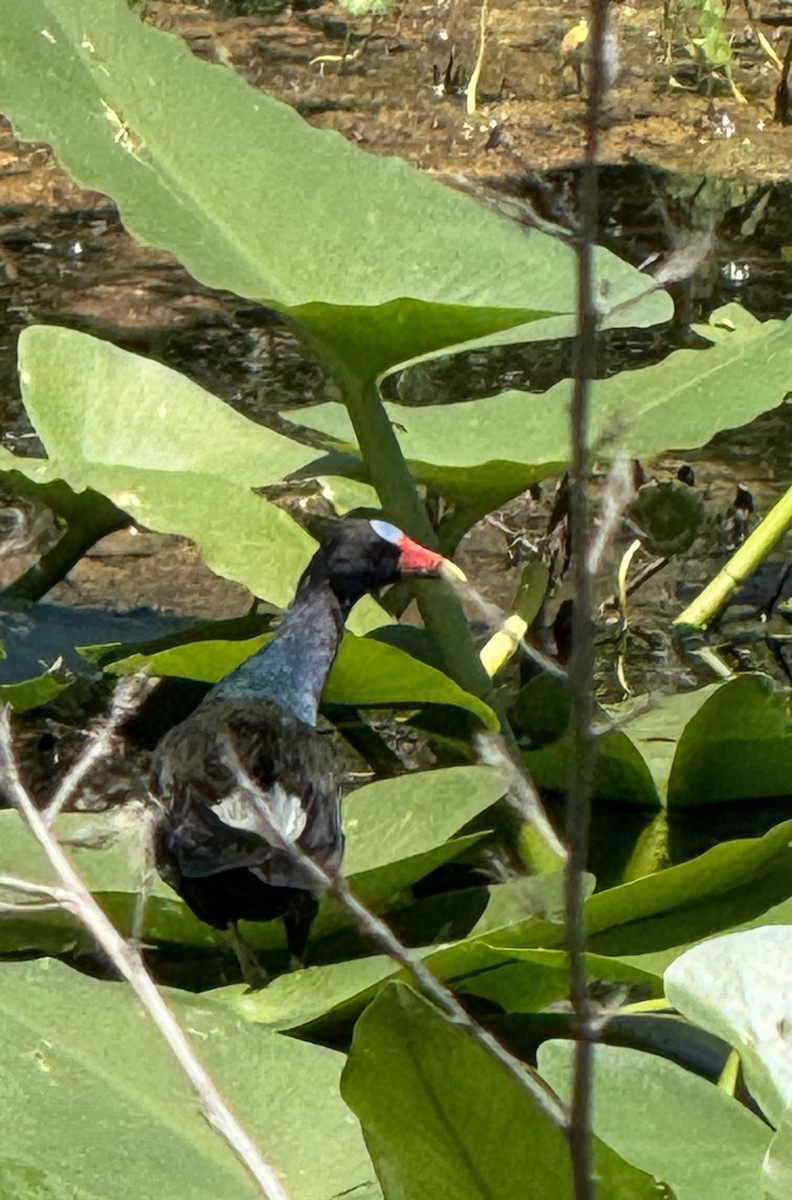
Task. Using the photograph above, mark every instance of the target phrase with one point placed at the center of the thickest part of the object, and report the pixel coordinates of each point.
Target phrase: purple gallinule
(228, 855)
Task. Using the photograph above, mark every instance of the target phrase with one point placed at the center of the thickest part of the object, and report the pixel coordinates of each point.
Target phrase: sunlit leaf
(668, 1121)
(442, 1117)
(366, 672)
(93, 1099)
(679, 402)
(737, 746)
(162, 449)
(207, 166)
(777, 1168)
(739, 987)
(732, 883)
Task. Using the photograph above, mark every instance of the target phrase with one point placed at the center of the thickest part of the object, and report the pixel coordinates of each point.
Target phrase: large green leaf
(162, 449)
(397, 818)
(777, 1168)
(30, 693)
(668, 1121)
(93, 1101)
(656, 728)
(340, 990)
(529, 980)
(739, 987)
(366, 672)
(109, 851)
(93, 404)
(738, 746)
(442, 1117)
(731, 884)
(728, 885)
(679, 402)
(299, 997)
(239, 187)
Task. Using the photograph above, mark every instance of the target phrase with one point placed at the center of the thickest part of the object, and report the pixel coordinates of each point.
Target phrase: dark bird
(228, 849)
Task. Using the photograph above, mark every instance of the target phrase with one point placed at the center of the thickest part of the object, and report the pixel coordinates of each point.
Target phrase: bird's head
(359, 556)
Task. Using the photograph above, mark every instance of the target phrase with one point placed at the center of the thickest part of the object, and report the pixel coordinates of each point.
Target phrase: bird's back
(227, 849)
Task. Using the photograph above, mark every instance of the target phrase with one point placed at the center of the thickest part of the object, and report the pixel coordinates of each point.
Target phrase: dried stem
(376, 929)
(127, 698)
(75, 896)
(581, 665)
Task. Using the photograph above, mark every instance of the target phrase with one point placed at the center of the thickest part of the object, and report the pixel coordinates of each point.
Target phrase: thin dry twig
(34, 889)
(376, 929)
(127, 698)
(522, 794)
(77, 898)
(619, 491)
(581, 664)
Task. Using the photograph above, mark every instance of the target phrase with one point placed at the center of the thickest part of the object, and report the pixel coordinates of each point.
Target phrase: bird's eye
(387, 532)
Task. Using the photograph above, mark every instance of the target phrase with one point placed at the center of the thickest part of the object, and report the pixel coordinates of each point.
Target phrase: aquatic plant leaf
(620, 773)
(109, 851)
(728, 885)
(738, 746)
(94, 404)
(366, 672)
(94, 1100)
(655, 728)
(239, 187)
(301, 997)
(441, 1117)
(166, 452)
(396, 818)
(739, 987)
(777, 1167)
(542, 717)
(529, 980)
(30, 693)
(680, 402)
(335, 993)
(668, 1121)
(732, 884)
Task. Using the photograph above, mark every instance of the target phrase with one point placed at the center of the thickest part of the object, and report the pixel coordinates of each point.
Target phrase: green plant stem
(440, 609)
(727, 1081)
(742, 564)
(471, 91)
(82, 532)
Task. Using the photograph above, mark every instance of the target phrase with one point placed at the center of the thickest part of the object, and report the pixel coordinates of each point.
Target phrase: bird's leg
(297, 922)
(253, 973)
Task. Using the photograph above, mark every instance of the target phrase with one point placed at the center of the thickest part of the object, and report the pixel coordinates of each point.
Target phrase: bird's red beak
(416, 559)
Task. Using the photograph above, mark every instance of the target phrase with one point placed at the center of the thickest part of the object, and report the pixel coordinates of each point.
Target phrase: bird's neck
(292, 668)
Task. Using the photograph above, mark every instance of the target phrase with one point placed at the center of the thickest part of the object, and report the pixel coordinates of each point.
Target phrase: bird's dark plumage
(229, 856)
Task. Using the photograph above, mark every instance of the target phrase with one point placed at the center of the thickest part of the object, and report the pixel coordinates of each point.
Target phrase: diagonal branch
(375, 928)
(127, 698)
(76, 897)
